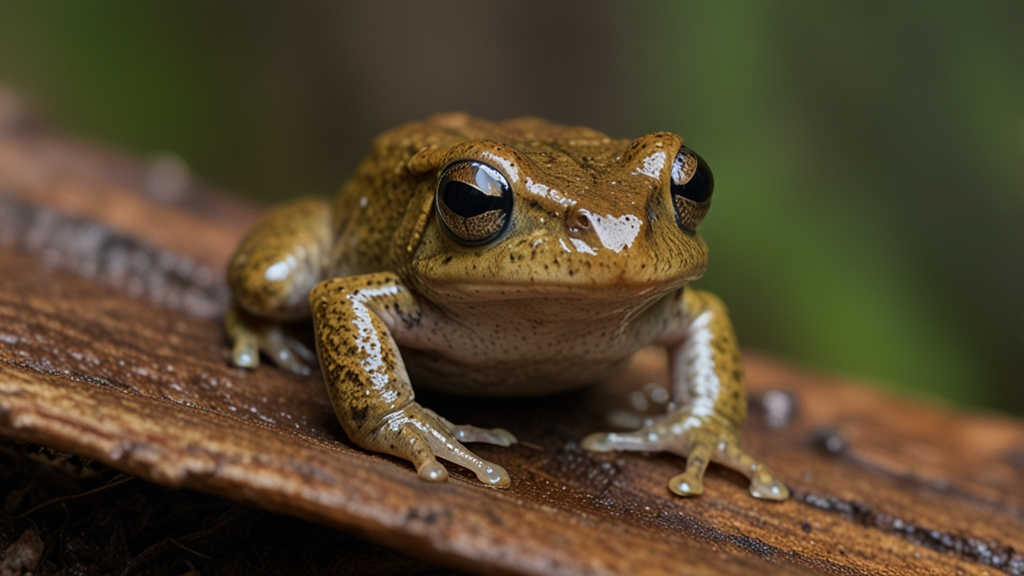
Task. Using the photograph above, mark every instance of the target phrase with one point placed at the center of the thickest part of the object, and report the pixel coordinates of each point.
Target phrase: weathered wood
(113, 352)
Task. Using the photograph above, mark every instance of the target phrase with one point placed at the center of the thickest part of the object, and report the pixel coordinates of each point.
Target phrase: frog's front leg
(709, 401)
(357, 322)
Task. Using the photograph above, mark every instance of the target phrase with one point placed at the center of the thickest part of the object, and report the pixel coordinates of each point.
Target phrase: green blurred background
(868, 156)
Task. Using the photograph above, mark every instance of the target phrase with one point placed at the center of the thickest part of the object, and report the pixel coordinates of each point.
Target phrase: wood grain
(117, 366)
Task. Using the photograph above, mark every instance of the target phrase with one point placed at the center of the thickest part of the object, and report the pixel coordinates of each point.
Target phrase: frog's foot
(421, 436)
(699, 439)
(250, 336)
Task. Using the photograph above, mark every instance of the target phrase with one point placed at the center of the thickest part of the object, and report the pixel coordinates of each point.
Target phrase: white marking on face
(509, 167)
(582, 246)
(652, 165)
(615, 232)
(548, 192)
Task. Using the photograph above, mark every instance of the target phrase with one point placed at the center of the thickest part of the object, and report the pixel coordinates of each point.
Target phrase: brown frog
(514, 258)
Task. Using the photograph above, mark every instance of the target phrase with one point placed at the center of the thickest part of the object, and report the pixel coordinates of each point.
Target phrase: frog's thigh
(281, 260)
(357, 321)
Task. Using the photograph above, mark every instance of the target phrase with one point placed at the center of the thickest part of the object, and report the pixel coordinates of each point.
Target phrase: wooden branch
(111, 349)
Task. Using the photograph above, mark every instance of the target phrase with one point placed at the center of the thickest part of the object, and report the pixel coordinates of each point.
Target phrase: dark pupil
(467, 201)
(700, 186)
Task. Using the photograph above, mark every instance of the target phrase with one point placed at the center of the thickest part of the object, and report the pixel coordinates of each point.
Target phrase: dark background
(868, 156)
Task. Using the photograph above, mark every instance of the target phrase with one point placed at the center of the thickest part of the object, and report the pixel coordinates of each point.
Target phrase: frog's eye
(474, 202)
(692, 184)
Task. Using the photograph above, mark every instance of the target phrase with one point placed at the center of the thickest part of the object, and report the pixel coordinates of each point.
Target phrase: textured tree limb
(111, 286)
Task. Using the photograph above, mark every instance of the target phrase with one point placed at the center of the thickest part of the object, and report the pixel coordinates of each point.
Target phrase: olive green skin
(593, 266)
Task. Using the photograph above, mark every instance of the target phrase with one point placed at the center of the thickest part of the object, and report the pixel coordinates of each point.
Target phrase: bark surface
(111, 348)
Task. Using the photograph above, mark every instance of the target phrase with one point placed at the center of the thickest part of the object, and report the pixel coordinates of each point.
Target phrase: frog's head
(532, 208)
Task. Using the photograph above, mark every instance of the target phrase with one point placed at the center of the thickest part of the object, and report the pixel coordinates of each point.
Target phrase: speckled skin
(592, 268)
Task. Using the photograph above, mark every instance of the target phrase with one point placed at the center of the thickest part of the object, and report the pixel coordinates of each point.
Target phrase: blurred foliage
(869, 156)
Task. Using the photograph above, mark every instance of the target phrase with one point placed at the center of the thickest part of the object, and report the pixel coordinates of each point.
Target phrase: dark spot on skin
(447, 260)
(411, 320)
(806, 527)
(359, 415)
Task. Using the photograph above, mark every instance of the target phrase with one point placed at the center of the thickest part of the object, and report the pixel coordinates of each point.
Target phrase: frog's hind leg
(271, 276)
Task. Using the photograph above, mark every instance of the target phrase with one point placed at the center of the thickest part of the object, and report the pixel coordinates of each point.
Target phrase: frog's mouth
(611, 296)
(515, 274)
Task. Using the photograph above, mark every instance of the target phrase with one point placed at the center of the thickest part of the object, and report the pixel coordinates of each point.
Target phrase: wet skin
(500, 259)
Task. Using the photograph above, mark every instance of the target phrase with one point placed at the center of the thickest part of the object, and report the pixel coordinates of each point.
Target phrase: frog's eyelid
(425, 160)
(683, 167)
(510, 168)
(691, 187)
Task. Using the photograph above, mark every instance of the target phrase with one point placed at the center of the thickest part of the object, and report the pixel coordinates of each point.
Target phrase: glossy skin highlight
(592, 266)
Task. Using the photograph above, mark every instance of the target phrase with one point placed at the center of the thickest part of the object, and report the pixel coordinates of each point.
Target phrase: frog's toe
(422, 457)
(245, 353)
(304, 352)
(639, 441)
(498, 436)
(763, 483)
(284, 350)
(468, 433)
(691, 482)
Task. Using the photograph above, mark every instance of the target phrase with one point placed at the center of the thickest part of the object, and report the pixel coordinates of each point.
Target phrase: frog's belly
(506, 377)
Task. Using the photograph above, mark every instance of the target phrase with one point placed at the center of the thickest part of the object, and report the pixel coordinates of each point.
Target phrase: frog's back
(371, 207)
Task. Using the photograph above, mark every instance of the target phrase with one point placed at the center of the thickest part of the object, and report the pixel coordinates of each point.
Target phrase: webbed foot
(250, 336)
(699, 439)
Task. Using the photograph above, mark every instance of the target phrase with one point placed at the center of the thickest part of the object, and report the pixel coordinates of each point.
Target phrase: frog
(515, 258)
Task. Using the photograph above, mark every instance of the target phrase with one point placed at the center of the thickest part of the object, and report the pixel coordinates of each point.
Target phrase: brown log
(111, 349)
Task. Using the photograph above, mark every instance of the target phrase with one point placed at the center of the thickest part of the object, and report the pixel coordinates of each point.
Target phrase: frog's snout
(615, 233)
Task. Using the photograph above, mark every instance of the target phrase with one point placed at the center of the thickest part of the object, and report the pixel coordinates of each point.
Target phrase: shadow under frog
(505, 259)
